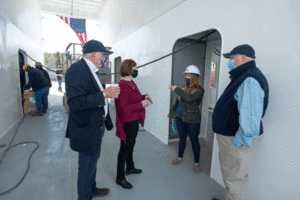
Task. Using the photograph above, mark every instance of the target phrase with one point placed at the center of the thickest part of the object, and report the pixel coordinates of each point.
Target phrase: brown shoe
(101, 192)
(197, 169)
(177, 161)
(215, 199)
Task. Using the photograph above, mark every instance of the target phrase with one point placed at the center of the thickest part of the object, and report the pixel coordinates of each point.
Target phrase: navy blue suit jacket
(86, 105)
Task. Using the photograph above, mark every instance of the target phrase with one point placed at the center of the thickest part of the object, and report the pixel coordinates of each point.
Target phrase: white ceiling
(87, 9)
(117, 18)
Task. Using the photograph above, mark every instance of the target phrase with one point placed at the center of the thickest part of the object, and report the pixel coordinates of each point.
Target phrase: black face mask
(135, 73)
(188, 81)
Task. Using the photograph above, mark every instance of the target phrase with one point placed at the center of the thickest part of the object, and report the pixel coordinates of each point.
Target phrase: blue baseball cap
(243, 49)
(94, 46)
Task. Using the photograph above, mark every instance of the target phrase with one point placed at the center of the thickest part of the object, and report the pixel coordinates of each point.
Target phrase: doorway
(117, 62)
(22, 75)
(205, 54)
(192, 55)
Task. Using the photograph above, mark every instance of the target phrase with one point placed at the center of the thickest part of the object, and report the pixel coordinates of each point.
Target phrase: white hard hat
(192, 69)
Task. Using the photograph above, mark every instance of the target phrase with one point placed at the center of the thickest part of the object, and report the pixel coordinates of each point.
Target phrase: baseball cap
(243, 49)
(94, 46)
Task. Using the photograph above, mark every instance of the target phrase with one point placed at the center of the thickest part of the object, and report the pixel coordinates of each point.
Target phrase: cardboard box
(29, 110)
(29, 103)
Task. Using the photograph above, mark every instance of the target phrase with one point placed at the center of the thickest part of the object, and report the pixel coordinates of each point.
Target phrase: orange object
(29, 103)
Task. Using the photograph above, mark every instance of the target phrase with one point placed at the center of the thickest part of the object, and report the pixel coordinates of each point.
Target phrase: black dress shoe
(124, 184)
(133, 171)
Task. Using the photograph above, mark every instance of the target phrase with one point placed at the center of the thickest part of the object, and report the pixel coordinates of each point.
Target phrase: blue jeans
(193, 131)
(87, 169)
(59, 84)
(46, 99)
(41, 99)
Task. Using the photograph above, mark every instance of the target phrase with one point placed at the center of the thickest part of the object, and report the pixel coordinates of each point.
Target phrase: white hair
(86, 55)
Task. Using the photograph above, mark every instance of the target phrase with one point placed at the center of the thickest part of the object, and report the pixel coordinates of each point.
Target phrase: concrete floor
(53, 167)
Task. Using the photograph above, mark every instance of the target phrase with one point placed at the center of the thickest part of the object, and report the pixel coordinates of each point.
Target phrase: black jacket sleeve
(81, 94)
(30, 82)
(48, 77)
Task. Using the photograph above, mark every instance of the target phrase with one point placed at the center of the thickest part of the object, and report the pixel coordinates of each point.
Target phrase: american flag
(78, 25)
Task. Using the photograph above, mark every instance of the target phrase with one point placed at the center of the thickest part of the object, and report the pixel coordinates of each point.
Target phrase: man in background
(59, 74)
(39, 84)
(39, 66)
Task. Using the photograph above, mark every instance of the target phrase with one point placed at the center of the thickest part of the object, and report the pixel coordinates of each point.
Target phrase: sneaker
(44, 111)
(197, 169)
(177, 161)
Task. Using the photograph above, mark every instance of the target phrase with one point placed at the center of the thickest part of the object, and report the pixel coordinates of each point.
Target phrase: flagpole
(72, 9)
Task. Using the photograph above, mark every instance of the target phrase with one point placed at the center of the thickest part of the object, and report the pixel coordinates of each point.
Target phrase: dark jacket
(225, 119)
(37, 80)
(59, 71)
(191, 112)
(86, 103)
(47, 76)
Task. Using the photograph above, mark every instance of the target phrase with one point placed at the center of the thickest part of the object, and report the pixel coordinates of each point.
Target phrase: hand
(145, 103)
(149, 98)
(112, 92)
(172, 87)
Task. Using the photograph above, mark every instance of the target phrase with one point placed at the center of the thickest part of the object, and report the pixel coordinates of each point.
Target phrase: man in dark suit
(88, 115)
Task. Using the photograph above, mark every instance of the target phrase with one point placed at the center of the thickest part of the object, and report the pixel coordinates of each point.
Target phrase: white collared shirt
(93, 68)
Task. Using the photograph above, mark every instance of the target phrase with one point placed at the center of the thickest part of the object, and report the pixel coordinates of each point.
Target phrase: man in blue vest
(237, 120)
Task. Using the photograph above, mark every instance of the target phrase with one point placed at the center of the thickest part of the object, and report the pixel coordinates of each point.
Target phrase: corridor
(53, 167)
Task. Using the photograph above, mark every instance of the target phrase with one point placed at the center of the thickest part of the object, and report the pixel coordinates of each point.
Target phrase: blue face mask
(231, 66)
(187, 80)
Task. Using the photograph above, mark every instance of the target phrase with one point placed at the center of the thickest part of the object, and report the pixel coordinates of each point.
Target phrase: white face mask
(231, 66)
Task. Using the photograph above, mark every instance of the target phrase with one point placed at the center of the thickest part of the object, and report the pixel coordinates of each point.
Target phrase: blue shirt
(250, 98)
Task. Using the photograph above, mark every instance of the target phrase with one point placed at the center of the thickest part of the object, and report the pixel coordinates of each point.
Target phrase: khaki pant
(235, 164)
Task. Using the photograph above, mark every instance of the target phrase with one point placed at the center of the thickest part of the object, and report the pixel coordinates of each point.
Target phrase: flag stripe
(66, 20)
(78, 25)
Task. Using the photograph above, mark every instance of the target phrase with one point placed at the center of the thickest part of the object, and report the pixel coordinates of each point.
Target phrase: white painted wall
(20, 28)
(272, 28)
(125, 17)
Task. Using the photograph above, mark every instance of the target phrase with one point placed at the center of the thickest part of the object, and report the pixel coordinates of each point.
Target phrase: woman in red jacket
(130, 112)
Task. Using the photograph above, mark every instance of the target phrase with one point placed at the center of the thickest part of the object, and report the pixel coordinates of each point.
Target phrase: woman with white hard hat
(186, 113)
